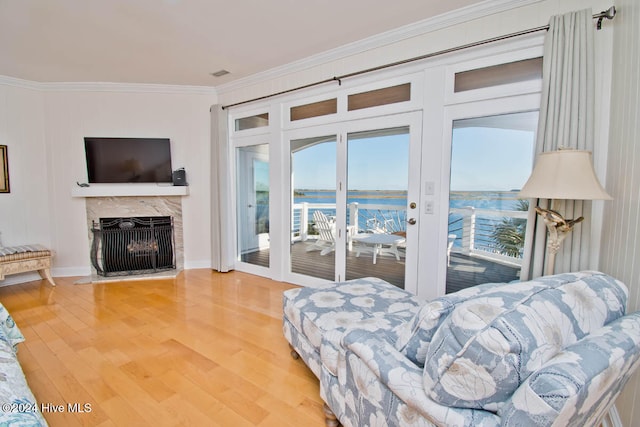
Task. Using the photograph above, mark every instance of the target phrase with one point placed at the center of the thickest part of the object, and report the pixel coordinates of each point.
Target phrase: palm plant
(509, 234)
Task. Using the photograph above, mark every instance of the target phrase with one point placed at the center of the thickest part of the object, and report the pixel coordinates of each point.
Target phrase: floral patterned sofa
(18, 406)
(552, 351)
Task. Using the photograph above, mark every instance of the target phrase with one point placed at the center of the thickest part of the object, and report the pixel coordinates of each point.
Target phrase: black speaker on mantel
(179, 177)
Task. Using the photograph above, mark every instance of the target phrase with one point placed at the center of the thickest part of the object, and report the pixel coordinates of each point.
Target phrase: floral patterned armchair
(552, 351)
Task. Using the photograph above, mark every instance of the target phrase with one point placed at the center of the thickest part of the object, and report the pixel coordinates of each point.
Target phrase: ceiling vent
(220, 73)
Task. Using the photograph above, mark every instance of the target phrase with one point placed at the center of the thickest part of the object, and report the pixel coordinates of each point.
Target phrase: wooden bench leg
(294, 353)
(330, 419)
(46, 275)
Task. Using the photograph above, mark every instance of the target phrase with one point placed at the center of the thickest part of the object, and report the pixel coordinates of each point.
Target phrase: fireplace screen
(124, 246)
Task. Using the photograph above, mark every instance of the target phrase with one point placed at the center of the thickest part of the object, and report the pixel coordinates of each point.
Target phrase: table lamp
(562, 174)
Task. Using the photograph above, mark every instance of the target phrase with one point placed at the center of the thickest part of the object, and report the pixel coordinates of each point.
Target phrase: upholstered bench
(316, 318)
(26, 258)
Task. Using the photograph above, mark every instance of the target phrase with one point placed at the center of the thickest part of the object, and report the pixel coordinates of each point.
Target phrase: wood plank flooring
(464, 270)
(204, 349)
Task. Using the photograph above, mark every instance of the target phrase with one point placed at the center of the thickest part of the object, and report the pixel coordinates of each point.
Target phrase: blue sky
(374, 164)
(486, 159)
(483, 159)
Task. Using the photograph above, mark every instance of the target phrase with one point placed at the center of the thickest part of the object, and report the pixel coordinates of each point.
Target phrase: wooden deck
(323, 266)
(464, 271)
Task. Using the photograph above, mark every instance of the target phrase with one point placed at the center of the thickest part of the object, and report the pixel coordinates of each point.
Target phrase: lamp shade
(564, 174)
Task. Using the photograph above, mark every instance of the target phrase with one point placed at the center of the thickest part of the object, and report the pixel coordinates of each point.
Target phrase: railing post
(472, 230)
(353, 216)
(304, 221)
(468, 230)
(352, 229)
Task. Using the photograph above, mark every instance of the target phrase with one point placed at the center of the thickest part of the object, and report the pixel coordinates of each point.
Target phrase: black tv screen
(119, 160)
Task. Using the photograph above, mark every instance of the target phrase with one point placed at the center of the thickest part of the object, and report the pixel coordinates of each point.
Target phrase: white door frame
(411, 119)
(489, 107)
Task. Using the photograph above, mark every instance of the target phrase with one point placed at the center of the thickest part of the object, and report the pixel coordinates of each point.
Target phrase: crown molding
(459, 16)
(128, 87)
(107, 87)
(15, 82)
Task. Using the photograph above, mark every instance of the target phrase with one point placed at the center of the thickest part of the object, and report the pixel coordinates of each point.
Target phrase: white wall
(44, 127)
(25, 211)
(472, 24)
(621, 231)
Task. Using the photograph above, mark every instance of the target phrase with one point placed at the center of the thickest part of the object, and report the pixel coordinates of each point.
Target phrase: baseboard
(15, 279)
(70, 271)
(197, 264)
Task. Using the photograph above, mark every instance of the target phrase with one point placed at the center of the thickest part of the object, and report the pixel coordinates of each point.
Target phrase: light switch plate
(429, 207)
(429, 188)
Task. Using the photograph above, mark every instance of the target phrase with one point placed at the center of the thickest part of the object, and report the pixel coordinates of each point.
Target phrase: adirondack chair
(326, 241)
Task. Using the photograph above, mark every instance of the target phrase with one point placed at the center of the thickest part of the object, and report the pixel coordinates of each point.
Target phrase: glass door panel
(313, 206)
(491, 158)
(253, 204)
(377, 185)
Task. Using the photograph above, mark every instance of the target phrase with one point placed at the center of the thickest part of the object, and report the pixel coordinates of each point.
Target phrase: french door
(252, 166)
(354, 201)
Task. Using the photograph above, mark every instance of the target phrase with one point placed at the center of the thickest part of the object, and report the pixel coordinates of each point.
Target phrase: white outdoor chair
(326, 241)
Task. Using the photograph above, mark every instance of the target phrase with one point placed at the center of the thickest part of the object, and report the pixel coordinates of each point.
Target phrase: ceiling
(181, 42)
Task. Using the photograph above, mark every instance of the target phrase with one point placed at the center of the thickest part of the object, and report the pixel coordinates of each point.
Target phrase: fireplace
(133, 245)
(103, 209)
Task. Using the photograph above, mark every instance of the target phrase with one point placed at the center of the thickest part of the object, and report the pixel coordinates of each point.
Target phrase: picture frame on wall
(4, 170)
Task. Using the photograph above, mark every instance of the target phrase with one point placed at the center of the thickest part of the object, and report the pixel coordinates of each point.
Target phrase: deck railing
(473, 228)
(361, 218)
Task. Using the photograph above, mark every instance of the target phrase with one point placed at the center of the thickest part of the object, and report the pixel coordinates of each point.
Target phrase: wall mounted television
(125, 160)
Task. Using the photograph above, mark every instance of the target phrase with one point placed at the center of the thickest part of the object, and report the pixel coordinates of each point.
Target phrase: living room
(44, 123)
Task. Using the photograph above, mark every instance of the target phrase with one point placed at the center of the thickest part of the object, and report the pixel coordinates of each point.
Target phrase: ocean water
(494, 200)
(396, 220)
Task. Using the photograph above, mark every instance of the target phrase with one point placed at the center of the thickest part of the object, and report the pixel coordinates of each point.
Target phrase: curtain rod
(609, 14)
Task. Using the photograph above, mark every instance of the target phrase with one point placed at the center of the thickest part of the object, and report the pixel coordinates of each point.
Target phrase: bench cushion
(313, 312)
(17, 253)
(490, 344)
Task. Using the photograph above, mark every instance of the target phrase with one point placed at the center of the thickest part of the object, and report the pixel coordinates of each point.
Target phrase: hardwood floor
(205, 349)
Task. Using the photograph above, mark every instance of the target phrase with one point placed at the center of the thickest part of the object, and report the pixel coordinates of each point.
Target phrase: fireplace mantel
(124, 190)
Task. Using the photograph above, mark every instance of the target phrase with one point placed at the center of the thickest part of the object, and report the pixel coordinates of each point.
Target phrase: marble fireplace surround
(135, 204)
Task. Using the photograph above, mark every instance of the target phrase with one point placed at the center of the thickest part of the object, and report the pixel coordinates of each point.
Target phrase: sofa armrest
(403, 378)
(9, 331)
(580, 384)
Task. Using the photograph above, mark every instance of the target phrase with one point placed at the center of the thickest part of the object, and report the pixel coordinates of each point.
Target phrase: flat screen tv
(121, 160)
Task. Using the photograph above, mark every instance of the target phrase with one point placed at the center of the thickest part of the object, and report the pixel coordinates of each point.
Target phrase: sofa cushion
(415, 336)
(491, 343)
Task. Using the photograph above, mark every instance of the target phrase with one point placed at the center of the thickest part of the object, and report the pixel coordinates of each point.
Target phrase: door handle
(411, 221)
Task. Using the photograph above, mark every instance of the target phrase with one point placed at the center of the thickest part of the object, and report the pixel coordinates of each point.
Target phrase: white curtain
(222, 221)
(566, 121)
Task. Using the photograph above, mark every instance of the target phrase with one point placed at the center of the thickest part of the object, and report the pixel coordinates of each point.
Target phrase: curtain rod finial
(609, 14)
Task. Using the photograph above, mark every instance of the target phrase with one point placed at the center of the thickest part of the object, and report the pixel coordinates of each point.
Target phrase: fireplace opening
(138, 245)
